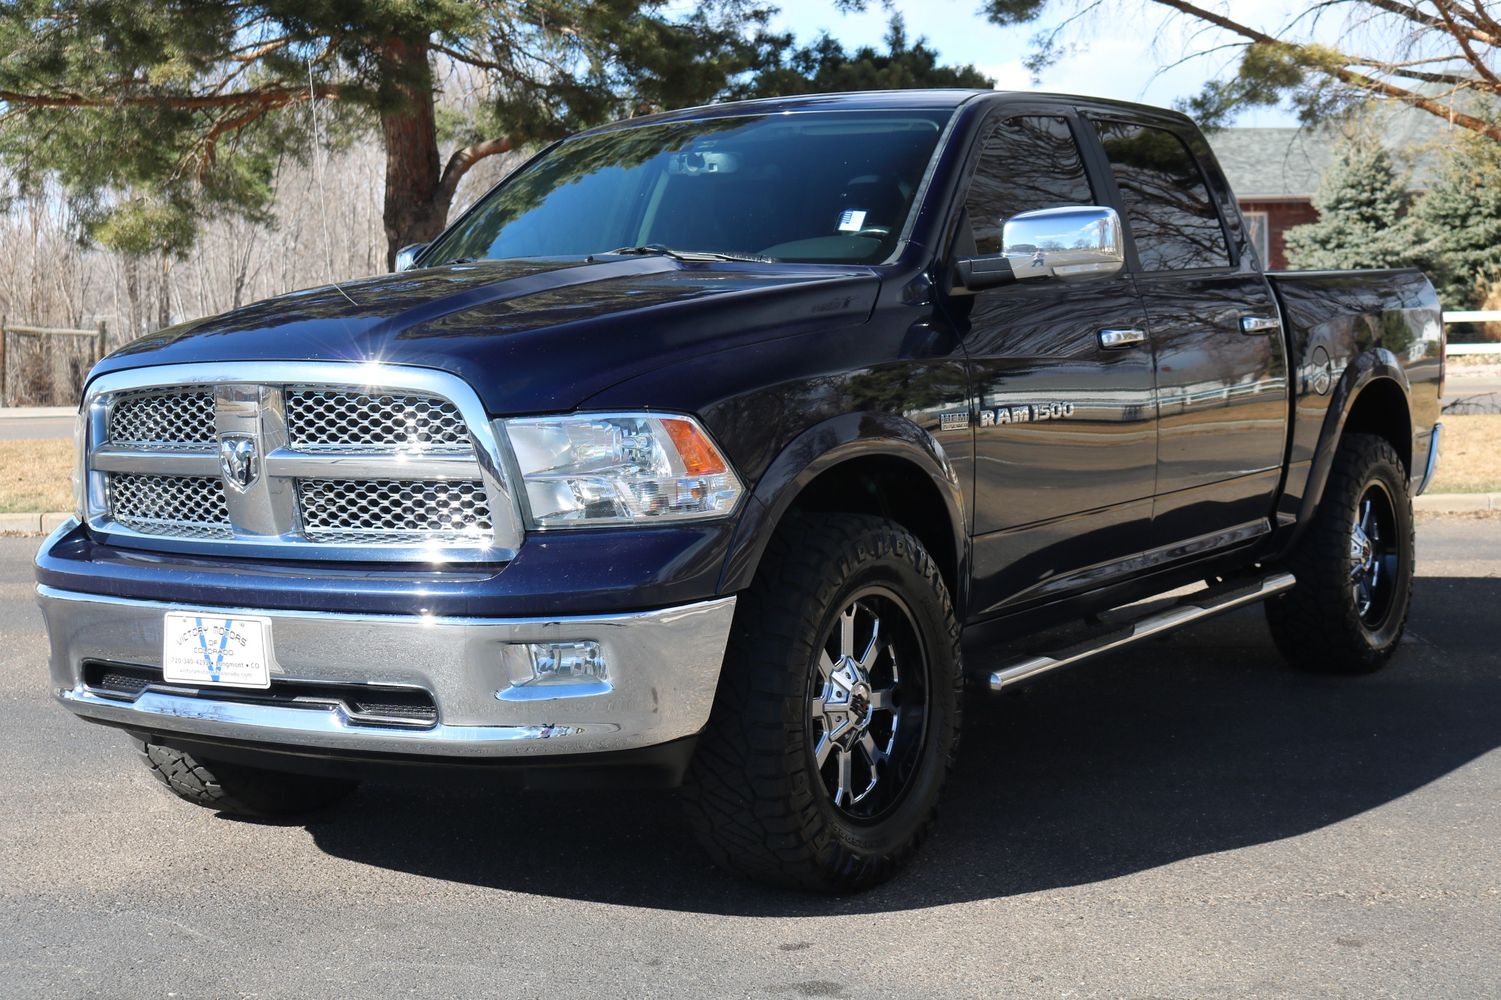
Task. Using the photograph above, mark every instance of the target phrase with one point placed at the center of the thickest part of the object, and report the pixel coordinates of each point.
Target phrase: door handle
(1115, 340)
(1259, 324)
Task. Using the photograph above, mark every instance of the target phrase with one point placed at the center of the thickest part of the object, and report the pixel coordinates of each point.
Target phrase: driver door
(1065, 427)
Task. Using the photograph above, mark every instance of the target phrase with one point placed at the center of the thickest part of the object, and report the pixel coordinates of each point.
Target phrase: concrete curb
(32, 524)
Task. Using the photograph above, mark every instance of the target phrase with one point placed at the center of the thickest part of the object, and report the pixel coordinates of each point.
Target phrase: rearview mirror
(407, 256)
(1075, 241)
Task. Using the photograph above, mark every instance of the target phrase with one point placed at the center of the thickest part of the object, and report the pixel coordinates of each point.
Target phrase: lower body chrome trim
(662, 670)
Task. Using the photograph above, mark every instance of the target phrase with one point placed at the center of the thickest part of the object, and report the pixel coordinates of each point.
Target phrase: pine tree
(827, 67)
(155, 115)
(1460, 218)
(1362, 203)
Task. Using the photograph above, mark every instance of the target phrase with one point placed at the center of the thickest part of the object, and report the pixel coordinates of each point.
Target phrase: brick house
(1274, 172)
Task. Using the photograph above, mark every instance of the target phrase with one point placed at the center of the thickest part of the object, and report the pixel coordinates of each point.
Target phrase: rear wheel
(1354, 567)
(241, 790)
(837, 714)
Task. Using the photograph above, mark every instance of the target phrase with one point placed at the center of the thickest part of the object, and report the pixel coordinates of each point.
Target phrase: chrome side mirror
(1076, 241)
(407, 256)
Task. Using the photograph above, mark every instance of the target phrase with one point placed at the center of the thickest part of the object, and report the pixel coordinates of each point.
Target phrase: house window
(1260, 232)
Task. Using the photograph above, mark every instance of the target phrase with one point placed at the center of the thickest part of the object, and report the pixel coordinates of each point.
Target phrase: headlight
(619, 468)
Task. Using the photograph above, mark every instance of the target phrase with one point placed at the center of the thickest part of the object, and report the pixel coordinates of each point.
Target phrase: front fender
(822, 447)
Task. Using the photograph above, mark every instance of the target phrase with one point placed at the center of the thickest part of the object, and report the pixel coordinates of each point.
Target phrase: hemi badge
(953, 421)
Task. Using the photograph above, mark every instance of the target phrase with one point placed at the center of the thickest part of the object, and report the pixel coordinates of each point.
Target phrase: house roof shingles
(1280, 164)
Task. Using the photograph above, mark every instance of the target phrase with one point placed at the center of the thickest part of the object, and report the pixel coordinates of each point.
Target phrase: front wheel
(1354, 567)
(837, 714)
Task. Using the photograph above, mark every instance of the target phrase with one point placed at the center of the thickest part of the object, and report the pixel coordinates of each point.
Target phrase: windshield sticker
(851, 220)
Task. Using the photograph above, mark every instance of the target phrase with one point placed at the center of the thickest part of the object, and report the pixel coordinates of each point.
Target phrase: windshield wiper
(687, 256)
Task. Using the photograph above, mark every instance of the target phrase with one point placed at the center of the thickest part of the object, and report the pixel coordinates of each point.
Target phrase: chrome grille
(392, 510)
(332, 461)
(345, 420)
(163, 421)
(185, 506)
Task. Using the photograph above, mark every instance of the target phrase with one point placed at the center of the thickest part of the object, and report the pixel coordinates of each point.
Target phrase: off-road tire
(240, 790)
(1317, 625)
(754, 794)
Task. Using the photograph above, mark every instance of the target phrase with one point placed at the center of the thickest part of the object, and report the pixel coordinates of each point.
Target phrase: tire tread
(747, 795)
(1313, 625)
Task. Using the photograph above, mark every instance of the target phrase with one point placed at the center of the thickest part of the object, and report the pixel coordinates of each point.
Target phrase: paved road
(1188, 820)
(1480, 394)
(35, 428)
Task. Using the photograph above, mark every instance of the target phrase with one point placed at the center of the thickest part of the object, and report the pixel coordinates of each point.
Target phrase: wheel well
(1381, 408)
(892, 488)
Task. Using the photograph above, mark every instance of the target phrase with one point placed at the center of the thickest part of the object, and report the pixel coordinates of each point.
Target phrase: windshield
(816, 186)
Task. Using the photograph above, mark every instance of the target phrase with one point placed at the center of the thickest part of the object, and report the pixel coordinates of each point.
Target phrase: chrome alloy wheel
(867, 705)
(1374, 555)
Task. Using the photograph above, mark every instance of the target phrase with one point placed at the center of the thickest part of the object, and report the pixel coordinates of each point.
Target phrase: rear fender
(1371, 367)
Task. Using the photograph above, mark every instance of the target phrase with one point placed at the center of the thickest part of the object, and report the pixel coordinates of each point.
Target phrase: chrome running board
(1190, 609)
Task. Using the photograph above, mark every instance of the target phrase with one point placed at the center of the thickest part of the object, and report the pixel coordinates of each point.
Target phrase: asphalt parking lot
(1187, 820)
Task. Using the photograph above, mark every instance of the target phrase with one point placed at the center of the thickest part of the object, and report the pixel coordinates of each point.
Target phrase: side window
(1026, 163)
(1168, 207)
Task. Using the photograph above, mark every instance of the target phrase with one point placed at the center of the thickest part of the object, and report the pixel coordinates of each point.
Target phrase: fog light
(565, 662)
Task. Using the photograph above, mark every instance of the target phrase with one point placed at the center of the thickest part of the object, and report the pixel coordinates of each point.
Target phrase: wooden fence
(34, 371)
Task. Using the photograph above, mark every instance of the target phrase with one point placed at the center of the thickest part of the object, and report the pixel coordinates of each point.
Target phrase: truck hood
(529, 336)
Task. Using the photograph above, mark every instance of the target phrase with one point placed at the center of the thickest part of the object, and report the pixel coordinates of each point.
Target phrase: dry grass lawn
(35, 475)
(1469, 456)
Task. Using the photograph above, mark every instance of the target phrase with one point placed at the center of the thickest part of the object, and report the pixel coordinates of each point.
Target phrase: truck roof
(865, 100)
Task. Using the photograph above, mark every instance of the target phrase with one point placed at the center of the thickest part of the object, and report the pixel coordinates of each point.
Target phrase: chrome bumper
(662, 667)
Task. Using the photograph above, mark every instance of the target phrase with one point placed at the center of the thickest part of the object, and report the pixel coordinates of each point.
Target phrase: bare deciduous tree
(1440, 56)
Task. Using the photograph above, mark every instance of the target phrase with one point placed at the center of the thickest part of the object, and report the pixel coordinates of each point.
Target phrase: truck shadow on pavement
(1199, 743)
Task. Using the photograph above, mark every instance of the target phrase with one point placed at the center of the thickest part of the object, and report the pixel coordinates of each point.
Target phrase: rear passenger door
(1221, 365)
(1065, 431)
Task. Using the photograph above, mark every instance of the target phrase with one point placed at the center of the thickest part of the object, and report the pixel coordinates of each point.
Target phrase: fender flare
(1371, 366)
(821, 447)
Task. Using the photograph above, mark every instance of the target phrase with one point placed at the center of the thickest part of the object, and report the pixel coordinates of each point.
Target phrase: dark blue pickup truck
(699, 450)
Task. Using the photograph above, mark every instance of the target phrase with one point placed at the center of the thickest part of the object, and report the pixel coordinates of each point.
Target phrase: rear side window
(1168, 207)
(1026, 163)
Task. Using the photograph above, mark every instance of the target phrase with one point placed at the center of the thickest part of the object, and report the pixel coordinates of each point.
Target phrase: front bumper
(662, 670)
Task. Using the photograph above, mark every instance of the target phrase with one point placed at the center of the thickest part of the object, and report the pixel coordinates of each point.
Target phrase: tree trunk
(133, 295)
(416, 207)
(164, 293)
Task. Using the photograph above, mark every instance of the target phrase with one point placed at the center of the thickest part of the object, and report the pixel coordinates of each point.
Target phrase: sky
(1121, 53)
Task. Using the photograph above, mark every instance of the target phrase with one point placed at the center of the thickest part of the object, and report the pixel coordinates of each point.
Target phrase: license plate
(208, 650)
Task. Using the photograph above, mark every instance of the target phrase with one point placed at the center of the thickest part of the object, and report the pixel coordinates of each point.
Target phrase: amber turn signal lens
(699, 456)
